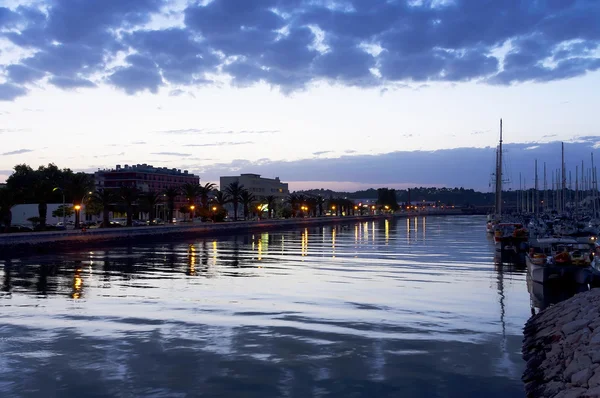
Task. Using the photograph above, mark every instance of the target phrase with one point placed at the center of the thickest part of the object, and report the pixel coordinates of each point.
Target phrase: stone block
(574, 326)
(571, 393)
(581, 378)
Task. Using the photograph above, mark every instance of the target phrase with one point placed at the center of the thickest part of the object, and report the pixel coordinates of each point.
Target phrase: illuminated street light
(214, 208)
(77, 207)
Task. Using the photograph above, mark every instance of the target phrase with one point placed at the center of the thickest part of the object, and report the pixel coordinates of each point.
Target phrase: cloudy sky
(343, 94)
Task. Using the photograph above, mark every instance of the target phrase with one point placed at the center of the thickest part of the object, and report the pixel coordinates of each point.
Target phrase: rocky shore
(562, 349)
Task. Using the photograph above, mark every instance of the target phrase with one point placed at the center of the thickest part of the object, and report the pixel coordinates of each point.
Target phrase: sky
(343, 94)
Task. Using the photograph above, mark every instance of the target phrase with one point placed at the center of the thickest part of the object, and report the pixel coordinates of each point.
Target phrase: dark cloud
(9, 91)
(223, 143)
(141, 74)
(467, 167)
(291, 43)
(17, 152)
(23, 74)
(321, 153)
(68, 83)
(171, 154)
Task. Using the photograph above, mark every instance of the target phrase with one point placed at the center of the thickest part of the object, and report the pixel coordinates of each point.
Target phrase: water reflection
(347, 310)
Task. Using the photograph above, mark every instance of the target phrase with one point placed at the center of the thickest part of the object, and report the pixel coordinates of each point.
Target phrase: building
(146, 178)
(258, 186)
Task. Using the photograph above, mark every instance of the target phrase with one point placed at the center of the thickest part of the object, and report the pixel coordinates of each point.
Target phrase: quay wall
(18, 243)
(562, 349)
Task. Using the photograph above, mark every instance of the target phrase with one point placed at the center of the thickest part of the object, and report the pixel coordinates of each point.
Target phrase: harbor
(386, 305)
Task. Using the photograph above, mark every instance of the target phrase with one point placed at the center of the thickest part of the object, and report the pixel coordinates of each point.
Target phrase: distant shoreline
(16, 244)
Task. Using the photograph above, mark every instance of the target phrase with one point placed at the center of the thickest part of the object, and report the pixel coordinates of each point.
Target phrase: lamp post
(64, 208)
(77, 208)
(192, 207)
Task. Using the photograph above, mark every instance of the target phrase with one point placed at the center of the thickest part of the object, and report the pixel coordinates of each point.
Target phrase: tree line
(50, 184)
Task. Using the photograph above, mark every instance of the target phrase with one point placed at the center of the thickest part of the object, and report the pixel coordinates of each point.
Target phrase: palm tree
(234, 190)
(293, 202)
(104, 198)
(171, 194)
(204, 193)
(320, 201)
(271, 205)
(191, 192)
(129, 195)
(220, 198)
(247, 200)
(149, 202)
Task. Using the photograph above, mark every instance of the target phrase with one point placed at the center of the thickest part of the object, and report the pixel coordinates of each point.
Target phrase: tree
(234, 190)
(104, 198)
(7, 201)
(221, 198)
(149, 201)
(247, 200)
(171, 194)
(271, 205)
(129, 197)
(320, 202)
(293, 201)
(204, 192)
(184, 210)
(63, 211)
(191, 192)
(79, 186)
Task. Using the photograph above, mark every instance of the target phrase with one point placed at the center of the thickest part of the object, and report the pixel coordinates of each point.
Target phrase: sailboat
(495, 217)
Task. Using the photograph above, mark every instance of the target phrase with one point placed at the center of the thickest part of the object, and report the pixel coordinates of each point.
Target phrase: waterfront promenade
(16, 243)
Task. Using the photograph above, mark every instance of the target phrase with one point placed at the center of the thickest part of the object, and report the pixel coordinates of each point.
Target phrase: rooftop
(147, 168)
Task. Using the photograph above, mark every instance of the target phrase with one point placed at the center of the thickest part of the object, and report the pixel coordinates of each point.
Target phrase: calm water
(406, 308)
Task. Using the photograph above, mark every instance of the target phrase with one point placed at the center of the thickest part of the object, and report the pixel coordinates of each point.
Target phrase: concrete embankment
(18, 243)
(562, 349)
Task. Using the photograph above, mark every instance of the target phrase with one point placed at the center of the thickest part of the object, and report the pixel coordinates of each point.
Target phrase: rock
(592, 393)
(581, 378)
(581, 363)
(595, 379)
(596, 356)
(595, 340)
(571, 393)
(573, 326)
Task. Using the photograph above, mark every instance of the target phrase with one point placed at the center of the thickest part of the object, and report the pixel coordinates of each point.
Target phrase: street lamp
(64, 208)
(192, 207)
(78, 207)
(214, 208)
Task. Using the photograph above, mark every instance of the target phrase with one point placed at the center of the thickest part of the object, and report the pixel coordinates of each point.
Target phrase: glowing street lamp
(214, 208)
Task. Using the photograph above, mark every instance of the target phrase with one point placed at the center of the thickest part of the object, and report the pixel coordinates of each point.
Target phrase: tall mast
(564, 178)
(576, 189)
(535, 192)
(499, 177)
(545, 189)
(520, 195)
(594, 185)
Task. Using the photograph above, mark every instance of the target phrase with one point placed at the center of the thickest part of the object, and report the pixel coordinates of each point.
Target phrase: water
(405, 308)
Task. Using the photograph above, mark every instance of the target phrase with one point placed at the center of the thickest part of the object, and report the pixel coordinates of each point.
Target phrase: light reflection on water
(411, 307)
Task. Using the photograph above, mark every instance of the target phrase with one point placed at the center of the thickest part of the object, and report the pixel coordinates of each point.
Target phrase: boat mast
(594, 184)
(535, 192)
(564, 179)
(499, 177)
(545, 189)
(576, 189)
